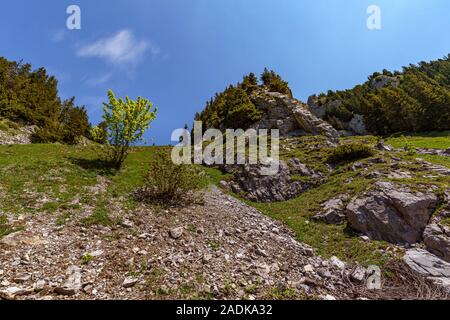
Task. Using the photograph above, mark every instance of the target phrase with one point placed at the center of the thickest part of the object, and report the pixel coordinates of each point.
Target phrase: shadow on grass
(98, 166)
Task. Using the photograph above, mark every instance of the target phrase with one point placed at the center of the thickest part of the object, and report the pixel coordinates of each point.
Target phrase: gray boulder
(251, 182)
(332, 213)
(429, 266)
(392, 213)
(437, 240)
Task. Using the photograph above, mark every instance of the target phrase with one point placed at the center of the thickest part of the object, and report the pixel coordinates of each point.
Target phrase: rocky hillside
(77, 232)
(375, 191)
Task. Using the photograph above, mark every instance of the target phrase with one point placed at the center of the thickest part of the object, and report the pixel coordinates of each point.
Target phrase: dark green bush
(350, 152)
(44, 135)
(167, 183)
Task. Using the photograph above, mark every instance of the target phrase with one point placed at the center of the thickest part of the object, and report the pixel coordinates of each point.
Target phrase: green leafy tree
(126, 121)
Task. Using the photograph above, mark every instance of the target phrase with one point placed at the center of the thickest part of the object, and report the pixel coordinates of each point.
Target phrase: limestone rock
(251, 182)
(129, 282)
(337, 263)
(429, 266)
(437, 240)
(316, 109)
(176, 233)
(383, 81)
(11, 293)
(383, 147)
(17, 136)
(332, 213)
(392, 213)
(290, 116)
(72, 285)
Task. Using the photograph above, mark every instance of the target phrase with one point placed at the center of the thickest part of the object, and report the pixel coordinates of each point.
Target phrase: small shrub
(350, 152)
(166, 182)
(86, 259)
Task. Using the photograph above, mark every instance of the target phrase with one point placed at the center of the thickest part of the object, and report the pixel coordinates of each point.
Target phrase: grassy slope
(59, 180)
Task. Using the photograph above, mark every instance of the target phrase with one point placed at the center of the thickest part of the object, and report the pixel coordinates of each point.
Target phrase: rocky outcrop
(333, 211)
(437, 240)
(429, 266)
(383, 81)
(318, 110)
(392, 213)
(253, 183)
(17, 136)
(290, 116)
(437, 234)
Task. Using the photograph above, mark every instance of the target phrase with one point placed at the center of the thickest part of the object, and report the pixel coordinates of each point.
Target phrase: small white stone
(129, 282)
(334, 261)
(308, 268)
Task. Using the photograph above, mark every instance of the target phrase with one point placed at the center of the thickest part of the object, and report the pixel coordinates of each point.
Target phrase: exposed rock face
(437, 234)
(316, 109)
(298, 168)
(383, 81)
(252, 183)
(437, 240)
(429, 266)
(290, 116)
(19, 136)
(392, 213)
(333, 212)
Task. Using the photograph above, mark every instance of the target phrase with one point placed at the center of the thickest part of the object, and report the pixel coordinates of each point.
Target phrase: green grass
(435, 140)
(59, 179)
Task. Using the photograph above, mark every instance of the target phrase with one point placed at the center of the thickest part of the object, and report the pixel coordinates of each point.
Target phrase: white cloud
(119, 49)
(58, 35)
(98, 80)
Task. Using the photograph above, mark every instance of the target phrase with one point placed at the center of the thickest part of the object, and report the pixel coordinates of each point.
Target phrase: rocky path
(221, 249)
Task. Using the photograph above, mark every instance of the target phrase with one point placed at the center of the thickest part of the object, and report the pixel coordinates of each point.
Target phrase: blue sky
(178, 53)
